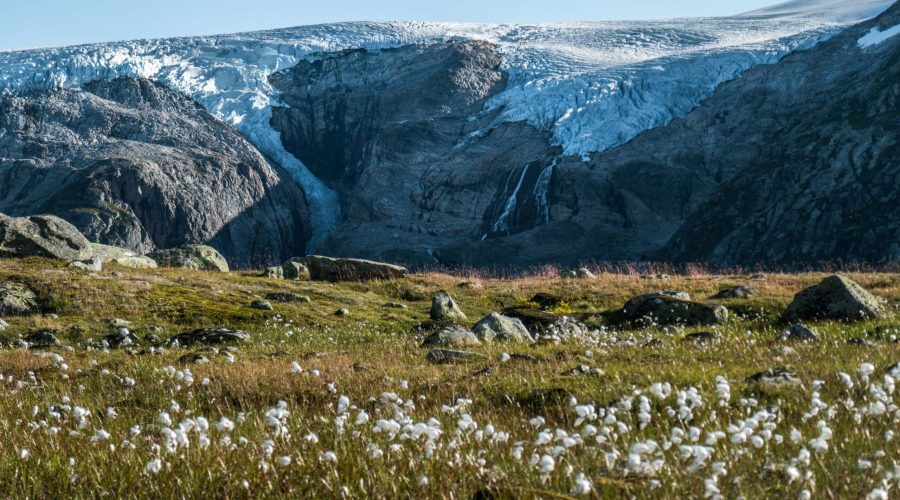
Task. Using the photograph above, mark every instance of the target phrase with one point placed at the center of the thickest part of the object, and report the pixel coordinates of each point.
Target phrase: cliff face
(134, 164)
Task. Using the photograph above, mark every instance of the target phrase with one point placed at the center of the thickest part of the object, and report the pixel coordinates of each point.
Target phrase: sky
(49, 23)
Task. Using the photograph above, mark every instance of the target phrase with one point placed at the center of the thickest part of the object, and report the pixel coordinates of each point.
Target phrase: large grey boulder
(42, 236)
(108, 254)
(451, 335)
(17, 299)
(444, 308)
(498, 328)
(673, 308)
(198, 257)
(337, 269)
(294, 269)
(837, 298)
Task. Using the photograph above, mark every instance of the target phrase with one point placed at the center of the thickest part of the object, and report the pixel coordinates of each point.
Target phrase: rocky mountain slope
(473, 145)
(134, 164)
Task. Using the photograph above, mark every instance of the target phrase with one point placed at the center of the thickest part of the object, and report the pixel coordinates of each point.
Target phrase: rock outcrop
(197, 257)
(133, 164)
(42, 236)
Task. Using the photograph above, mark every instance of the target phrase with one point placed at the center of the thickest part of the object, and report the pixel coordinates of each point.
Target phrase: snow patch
(876, 36)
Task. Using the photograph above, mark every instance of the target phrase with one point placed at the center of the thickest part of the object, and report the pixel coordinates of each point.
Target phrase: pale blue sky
(42, 23)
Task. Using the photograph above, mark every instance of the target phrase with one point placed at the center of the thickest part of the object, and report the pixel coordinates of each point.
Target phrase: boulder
(42, 236)
(449, 356)
(294, 269)
(563, 329)
(584, 273)
(209, 336)
(568, 274)
(122, 257)
(444, 308)
(121, 337)
(261, 305)
(342, 312)
(496, 327)
(673, 308)
(93, 265)
(838, 298)
(3, 325)
(275, 272)
(198, 257)
(336, 269)
(17, 299)
(736, 292)
(451, 336)
(798, 333)
(777, 376)
(42, 338)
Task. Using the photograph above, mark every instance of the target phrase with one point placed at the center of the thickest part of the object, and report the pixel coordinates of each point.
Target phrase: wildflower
(504, 357)
(296, 368)
(153, 466)
(423, 481)
(225, 425)
(101, 435)
(284, 461)
(582, 485)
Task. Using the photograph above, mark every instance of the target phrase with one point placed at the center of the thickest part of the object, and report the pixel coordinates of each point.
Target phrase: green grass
(375, 349)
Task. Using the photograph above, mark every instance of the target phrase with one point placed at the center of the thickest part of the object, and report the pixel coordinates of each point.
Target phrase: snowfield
(595, 85)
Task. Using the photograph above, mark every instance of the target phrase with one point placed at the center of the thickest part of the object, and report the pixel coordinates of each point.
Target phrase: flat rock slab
(837, 298)
(450, 356)
(336, 269)
(209, 336)
(197, 257)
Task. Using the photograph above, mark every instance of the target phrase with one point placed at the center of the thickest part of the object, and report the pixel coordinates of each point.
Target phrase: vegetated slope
(134, 164)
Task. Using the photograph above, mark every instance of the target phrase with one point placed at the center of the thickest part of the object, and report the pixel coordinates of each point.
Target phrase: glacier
(594, 85)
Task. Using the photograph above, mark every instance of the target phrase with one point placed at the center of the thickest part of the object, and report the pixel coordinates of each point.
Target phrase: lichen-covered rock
(93, 265)
(337, 269)
(444, 308)
(261, 305)
(17, 299)
(451, 336)
(498, 328)
(673, 308)
(275, 272)
(294, 269)
(777, 376)
(122, 257)
(198, 257)
(798, 333)
(42, 236)
(209, 336)
(449, 356)
(838, 298)
(736, 292)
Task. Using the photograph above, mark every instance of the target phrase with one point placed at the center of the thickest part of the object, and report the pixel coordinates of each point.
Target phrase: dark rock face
(133, 164)
(42, 236)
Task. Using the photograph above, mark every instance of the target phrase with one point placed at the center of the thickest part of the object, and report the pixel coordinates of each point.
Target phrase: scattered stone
(276, 272)
(658, 276)
(781, 352)
(584, 273)
(91, 265)
(197, 257)
(334, 269)
(653, 343)
(294, 269)
(758, 276)
(777, 376)
(359, 368)
(499, 328)
(152, 339)
(3, 325)
(859, 342)
(121, 338)
(287, 297)
(42, 236)
(444, 308)
(452, 336)
(798, 333)
(395, 305)
(891, 333)
(838, 298)
(564, 329)
(702, 338)
(523, 357)
(116, 323)
(470, 285)
(342, 312)
(122, 257)
(533, 319)
(449, 356)
(737, 292)
(42, 338)
(546, 301)
(209, 336)
(584, 370)
(484, 372)
(193, 359)
(17, 299)
(568, 274)
(673, 308)
(261, 305)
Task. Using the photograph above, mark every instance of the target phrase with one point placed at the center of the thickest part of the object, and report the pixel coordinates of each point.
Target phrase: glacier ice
(594, 85)
(876, 36)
